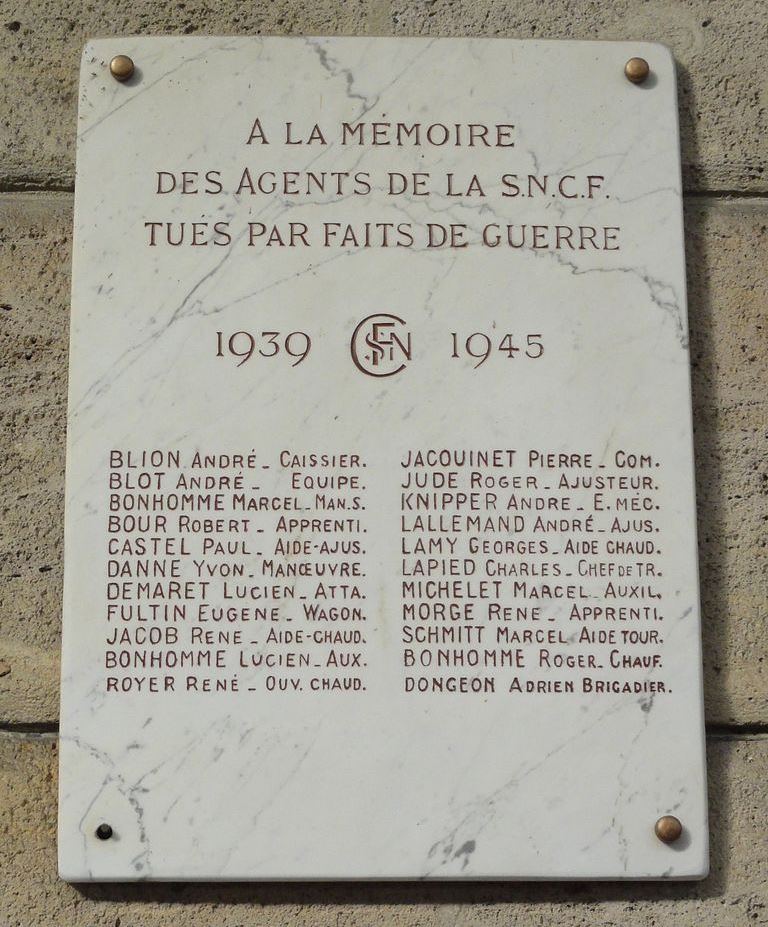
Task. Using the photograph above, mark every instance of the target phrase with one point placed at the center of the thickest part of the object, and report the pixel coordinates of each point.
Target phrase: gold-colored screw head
(121, 67)
(636, 70)
(668, 828)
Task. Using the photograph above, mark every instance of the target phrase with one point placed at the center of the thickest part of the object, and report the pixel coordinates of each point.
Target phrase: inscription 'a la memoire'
(453, 180)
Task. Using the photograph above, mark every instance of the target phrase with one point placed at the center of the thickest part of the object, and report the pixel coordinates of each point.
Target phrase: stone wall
(720, 47)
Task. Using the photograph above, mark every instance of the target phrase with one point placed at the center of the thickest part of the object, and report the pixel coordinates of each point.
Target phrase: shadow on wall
(710, 466)
(715, 640)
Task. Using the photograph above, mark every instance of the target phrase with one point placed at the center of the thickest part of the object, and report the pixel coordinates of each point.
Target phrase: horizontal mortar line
(41, 186)
(725, 194)
(713, 731)
(725, 731)
(34, 187)
(29, 727)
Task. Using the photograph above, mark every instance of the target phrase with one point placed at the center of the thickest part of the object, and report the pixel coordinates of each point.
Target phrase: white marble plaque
(380, 520)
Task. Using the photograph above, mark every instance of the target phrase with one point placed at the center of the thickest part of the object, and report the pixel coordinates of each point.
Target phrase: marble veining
(380, 782)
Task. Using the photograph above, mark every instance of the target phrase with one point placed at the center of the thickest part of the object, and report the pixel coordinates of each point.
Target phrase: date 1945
(479, 346)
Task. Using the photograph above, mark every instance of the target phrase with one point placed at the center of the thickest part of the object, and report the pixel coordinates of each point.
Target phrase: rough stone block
(720, 49)
(35, 237)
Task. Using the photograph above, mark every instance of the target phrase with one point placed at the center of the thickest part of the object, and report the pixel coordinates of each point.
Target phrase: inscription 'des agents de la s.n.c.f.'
(380, 531)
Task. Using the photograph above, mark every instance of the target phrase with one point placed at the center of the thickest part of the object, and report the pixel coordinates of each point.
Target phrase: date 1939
(244, 345)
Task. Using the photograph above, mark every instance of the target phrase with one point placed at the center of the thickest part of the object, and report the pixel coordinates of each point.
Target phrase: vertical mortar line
(379, 17)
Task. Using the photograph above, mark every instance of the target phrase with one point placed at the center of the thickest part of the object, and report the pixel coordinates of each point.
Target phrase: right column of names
(527, 571)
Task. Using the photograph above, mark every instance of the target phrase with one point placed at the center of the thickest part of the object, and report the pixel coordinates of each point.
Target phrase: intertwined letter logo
(381, 345)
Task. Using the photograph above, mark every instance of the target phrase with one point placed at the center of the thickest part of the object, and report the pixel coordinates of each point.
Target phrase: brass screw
(668, 828)
(121, 67)
(636, 70)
